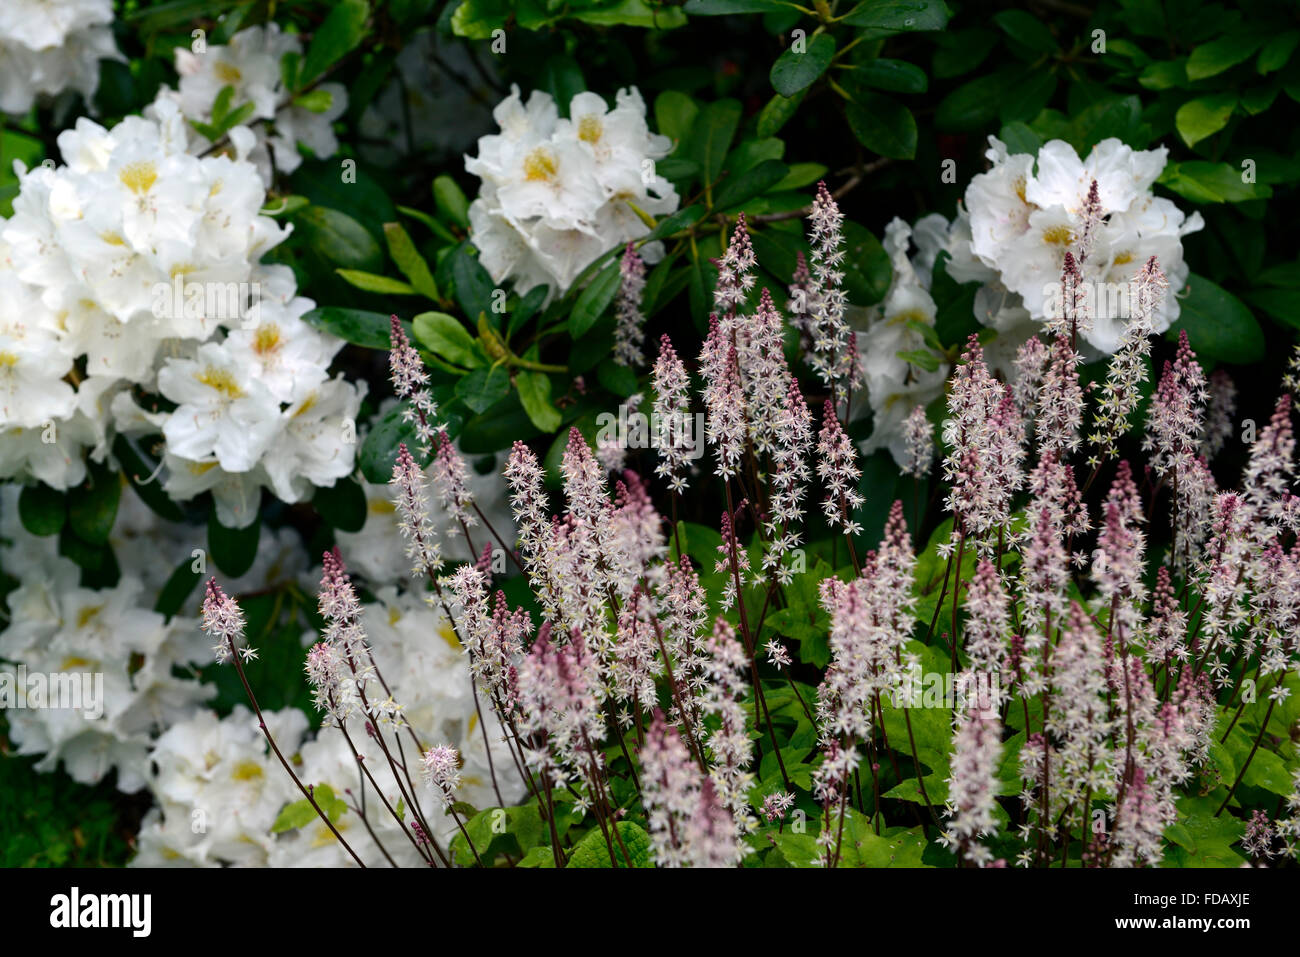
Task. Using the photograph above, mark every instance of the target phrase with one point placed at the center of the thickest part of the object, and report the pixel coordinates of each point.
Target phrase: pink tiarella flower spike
(450, 482)
(730, 547)
(1119, 561)
(1176, 421)
(972, 786)
(1221, 414)
(1074, 315)
(530, 510)
(837, 467)
(919, 436)
(341, 665)
(411, 499)
(988, 620)
(560, 702)
(730, 747)
(1031, 364)
(493, 636)
(442, 771)
(1091, 214)
(223, 620)
(1059, 415)
(674, 430)
(735, 277)
(689, 826)
(628, 334)
(790, 475)
(1271, 470)
(974, 397)
(636, 662)
(764, 374)
(724, 399)
(410, 382)
(776, 805)
(801, 291)
(1122, 390)
(829, 333)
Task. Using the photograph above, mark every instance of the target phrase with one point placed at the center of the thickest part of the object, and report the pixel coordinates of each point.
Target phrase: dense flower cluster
(49, 46)
(1025, 214)
(251, 66)
(557, 193)
(140, 262)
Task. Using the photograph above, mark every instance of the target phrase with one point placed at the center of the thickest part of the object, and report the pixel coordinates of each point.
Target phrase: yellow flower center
(246, 771)
(139, 177)
(1124, 258)
(86, 615)
(1058, 235)
(222, 381)
(539, 164)
(901, 318)
(590, 128)
(227, 73)
(266, 338)
(8, 360)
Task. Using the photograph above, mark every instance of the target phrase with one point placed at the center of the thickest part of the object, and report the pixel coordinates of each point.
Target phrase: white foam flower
(222, 410)
(557, 193)
(49, 46)
(895, 385)
(250, 65)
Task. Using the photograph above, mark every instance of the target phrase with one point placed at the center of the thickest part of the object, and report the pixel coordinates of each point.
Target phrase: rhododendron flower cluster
(251, 66)
(49, 46)
(1027, 211)
(140, 263)
(557, 193)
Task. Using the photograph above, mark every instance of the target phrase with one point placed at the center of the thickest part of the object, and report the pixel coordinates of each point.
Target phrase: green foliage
(50, 821)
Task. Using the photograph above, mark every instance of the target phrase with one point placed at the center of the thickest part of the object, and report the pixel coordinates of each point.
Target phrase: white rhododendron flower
(1026, 212)
(218, 789)
(895, 386)
(211, 767)
(48, 46)
(143, 260)
(250, 65)
(221, 409)
(120, 651)
(557, 193)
